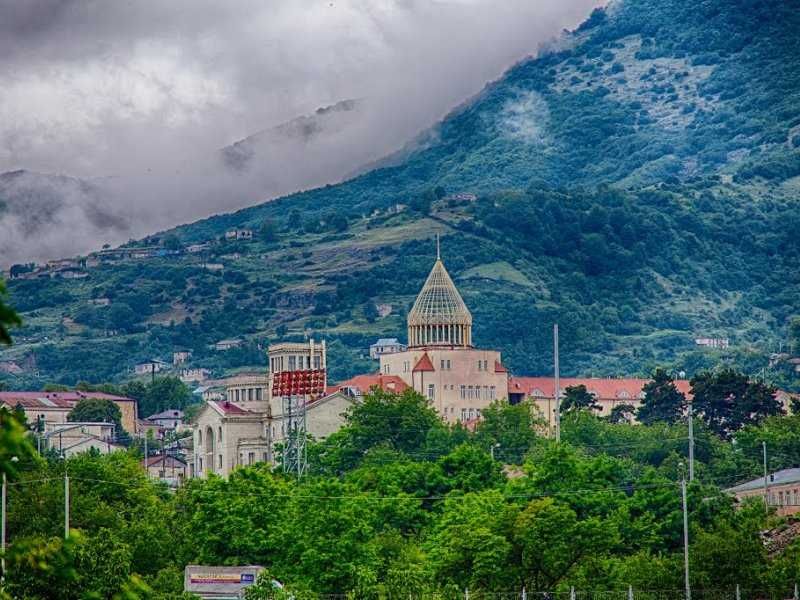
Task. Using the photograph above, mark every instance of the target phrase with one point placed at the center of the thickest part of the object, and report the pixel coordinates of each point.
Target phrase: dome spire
(439, 316)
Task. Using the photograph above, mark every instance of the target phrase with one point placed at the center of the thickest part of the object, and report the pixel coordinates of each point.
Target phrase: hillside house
(385, 346)
(150, 367)
(196, 375)
(239, 234)
(224, 345)
(180, 356)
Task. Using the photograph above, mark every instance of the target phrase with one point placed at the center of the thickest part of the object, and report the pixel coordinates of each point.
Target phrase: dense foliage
(398, 503)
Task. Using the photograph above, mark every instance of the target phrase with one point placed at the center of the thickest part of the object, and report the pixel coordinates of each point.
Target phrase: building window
(385, 369)
(431, 391)
(317, 362)
(480, 366)
(258, 394)
(200, 465)
(219, 435)
(199, 438)
(491, 393)
(448, 365)
(463, 390)
(219, 461)
(251, 458)
(442, 365)
(463, 414)
(292, 363)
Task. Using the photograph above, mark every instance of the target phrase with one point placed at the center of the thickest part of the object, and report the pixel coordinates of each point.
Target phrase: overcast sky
(129, 87)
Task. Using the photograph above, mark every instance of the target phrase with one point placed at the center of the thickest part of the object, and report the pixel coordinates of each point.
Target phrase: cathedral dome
(439, 316)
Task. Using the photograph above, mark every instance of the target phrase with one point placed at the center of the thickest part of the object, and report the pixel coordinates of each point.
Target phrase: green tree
(553, 540)
(662, 400)
(8, 318)
(268, 232)
(794, 335)
(97, 410)
(577, 398)
(510, 429)
(398, 422)
(622, 413)
(164, 393)
(728, 400)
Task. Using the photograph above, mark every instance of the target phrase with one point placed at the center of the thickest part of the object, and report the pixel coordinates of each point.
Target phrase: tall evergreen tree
(577, 397)
(728, 400)
(662, 400)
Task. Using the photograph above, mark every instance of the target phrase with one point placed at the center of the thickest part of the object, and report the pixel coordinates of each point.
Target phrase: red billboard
(299, 383)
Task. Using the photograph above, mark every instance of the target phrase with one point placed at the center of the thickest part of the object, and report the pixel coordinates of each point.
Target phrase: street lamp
(491, 450)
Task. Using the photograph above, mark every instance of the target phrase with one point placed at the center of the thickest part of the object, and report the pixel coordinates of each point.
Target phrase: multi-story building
(441, 362)
(608, 392)
(53, 407)
(781, 489)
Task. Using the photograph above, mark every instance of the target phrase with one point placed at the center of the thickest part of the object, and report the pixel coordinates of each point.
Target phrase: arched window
(219, 435)
(199, 437)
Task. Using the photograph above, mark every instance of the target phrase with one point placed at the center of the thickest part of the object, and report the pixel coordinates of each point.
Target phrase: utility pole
(66, 505)
(685, 541)
(557, 386)
(691, 443)
(3, 527)
(766, 479)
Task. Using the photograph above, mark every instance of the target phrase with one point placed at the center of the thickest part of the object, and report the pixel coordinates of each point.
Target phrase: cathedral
(440, 362)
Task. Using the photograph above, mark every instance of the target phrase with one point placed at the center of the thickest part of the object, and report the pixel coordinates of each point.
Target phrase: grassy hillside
(638, 183)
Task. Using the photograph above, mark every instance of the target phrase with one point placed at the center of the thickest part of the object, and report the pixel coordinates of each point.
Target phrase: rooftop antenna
(438, 253)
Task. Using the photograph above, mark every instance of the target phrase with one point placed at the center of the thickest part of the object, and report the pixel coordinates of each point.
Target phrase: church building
(440, 362)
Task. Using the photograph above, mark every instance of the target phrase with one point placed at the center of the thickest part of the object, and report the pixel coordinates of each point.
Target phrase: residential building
(53, 407)
(149, 367)
(608, 392)
(239, 234)
(782, 490)
(721, 343)
(441, 362)
(69, 439)
(180, 356)
(385, 346)
(167, 468)
(196, 375)
(170, 419)
(223, 345)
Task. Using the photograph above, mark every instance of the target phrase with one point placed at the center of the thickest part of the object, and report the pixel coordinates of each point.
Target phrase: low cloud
(139, 97)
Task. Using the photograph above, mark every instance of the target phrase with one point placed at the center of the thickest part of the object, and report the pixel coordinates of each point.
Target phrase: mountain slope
(638, 183)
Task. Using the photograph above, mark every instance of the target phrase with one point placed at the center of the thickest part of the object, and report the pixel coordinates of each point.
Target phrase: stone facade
(441, 363)
(459, 382)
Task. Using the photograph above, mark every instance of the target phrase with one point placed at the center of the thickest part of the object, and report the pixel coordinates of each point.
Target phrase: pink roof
(364, 383)
(230, 409)
(54, 399)
(604, 389)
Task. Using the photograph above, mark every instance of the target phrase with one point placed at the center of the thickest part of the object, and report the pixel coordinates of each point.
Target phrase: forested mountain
(637, 182)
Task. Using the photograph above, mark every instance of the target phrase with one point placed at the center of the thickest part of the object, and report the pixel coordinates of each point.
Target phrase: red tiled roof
(498, 368)
(603, 389)
(54, 399)
(364, 383)
(231, 409)
(423, 364)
